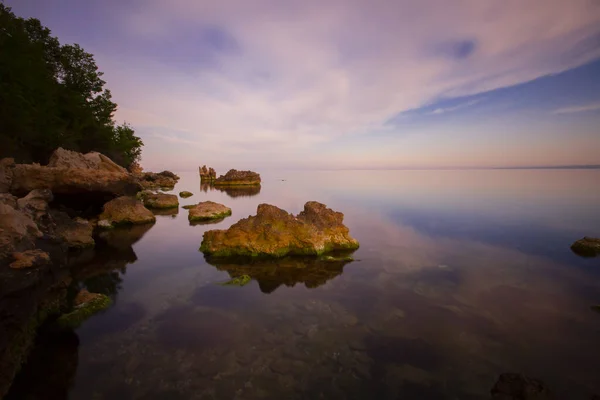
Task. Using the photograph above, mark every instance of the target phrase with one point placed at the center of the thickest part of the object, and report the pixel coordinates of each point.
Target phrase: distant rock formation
(165, 180)
(234, 178)
(587, 247)
(274, 232)
(207, 174)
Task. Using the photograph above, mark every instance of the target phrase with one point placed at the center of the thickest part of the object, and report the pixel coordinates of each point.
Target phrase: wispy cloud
(577, 109)
(458, 107)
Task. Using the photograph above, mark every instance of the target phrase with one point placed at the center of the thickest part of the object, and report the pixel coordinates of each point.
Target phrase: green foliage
(52, 95)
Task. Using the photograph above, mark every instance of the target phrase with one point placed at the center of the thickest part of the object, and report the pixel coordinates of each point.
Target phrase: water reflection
(232, 191)
(166, 211)
(271, 274)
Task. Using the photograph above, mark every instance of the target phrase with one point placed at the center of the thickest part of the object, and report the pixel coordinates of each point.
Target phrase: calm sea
(461, 276)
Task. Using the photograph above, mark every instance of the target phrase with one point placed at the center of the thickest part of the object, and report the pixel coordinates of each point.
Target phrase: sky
(345, 84)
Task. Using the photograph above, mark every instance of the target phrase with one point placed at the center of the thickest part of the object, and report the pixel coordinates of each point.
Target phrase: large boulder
(72, 233)
(274, 232)
(159, 200)
(35, 204)
(234, 177)
(587, 247)
(208, 210)
(18, 231)
(125, 210)
(71, 173)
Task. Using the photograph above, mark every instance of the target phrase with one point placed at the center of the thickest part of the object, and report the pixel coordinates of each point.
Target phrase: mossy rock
(82, 312)
(159, 200)
(189, 206)
(337, 259)
(185, 194)
(208, 210)
(238, 281)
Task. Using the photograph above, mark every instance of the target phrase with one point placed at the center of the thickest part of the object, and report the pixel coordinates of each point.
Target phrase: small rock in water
(587, 247)
(185, 194)
(208, 210)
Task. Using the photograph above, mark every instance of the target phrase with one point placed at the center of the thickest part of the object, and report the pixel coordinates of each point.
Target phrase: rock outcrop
(208, 210)
(234, 178)
(159, 200)
(207, 174)
(274, 232)
(125, 210)
(71, 173)
(518, 387)
(587, 247)
(165, 180)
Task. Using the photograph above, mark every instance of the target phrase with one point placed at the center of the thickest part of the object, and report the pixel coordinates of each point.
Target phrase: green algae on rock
(86, 305)
(237, 281)
(273, 232)
(189, 206)
(159, 200)
(125, 210)
(337, 258)
(238, 178)
(587, 247)
(185, 194)
(208, 210)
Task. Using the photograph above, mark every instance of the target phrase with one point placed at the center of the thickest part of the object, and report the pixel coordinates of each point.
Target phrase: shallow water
(461, 276)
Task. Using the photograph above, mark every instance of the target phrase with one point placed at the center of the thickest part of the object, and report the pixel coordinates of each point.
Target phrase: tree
(53, 95)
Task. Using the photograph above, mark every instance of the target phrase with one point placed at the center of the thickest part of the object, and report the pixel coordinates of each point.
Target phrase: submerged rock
(85, 304)
(159, 200)
(162, 180)
(587, 247)
(125, 211)
(235, 177)
(208, 210)
(274, 232)
(185, 194)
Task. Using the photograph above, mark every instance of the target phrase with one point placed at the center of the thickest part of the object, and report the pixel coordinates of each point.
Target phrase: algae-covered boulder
(125, 210)
(159, 200)
(85, 305)
(274, 232)
(234, 178)
(185, 194)
(587, 247)
(208, 210)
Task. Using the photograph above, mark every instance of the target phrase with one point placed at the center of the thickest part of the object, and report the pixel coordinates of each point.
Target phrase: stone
(7, 166)
(18, 232)
(274, 232)
(72, 173)
(8, 199)
(35, 204)
(85, 305)
(512, 386)
(234, 177)
(125, 210)
(208, 210)
(162, 180)
(159, 200)
(185, 194)
(101, 162)
(587, 247)
(29, 259)
(207, 174)
(73, 233)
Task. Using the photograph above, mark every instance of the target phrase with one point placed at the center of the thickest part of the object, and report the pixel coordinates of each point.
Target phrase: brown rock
(7, 166)
(8, 199)
(84, 296)
(159, 200)
(126, 211)
(162, 180)
(35, 204)
(74, 233)
(587, 247)
(29, 259)
(208, 210)
(276, 233)
(235, 177)
(18, 231)
(518, 387)
(101, 162)
(207, 174)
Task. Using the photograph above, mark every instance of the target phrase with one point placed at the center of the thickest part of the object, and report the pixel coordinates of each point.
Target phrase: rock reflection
(169, 212)
(289, 271)
(232, 191)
